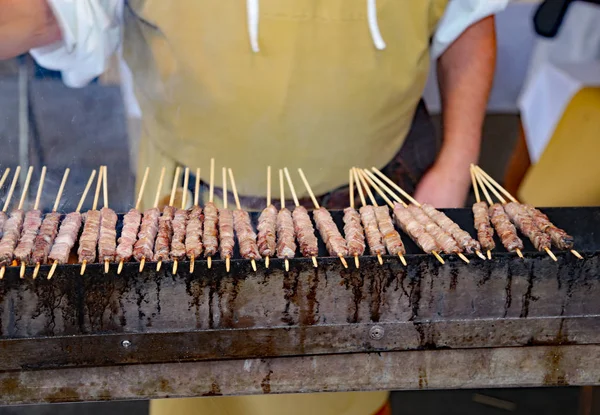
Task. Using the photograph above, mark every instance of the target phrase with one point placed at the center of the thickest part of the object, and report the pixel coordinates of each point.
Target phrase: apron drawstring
(253, 16)
(373, 25)
(252, 11)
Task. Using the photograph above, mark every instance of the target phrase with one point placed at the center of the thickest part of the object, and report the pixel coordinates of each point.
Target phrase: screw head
(126, 344)
(376, 332)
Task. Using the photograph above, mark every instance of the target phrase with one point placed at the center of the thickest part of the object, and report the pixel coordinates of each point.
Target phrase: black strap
(550, 14)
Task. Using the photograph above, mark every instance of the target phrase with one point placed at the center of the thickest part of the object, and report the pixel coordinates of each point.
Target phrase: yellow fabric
(568, 171)
(318, 95)
(341, 403)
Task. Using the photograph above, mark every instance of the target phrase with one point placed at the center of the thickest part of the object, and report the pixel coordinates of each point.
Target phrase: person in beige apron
(318, 84)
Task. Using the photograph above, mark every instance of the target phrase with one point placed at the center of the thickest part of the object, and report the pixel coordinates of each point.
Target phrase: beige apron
(318, 95)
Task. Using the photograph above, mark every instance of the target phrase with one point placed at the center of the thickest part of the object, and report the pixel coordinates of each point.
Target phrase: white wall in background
(515, 35)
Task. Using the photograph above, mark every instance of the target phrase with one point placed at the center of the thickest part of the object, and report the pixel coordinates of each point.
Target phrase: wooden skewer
(267, 259)
(225, 200)
(314, 200)
(19, 207)
(296, 202)
(211, 192)
(79, 205)
(186, 181)
(4, 177)
(282, 196)
(367, 176)
(477, 198)
(94, 207)
(171, 201)
(480, 181)
(238, 206)
(351, 194)
(36, 270)
(105, 197)
(395, 186)
(137, 207)
(360, 183)
(196, 199)
(156, 200)
(35, 207)
(11, 189)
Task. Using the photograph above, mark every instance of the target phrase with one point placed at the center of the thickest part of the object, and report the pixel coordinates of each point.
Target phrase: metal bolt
(376, 332)
(126, 344)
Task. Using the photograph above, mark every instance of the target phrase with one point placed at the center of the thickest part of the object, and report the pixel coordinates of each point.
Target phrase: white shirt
(91, 33)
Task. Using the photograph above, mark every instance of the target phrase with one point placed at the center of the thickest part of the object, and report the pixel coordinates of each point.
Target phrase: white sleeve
(459, 15)
(91, 33)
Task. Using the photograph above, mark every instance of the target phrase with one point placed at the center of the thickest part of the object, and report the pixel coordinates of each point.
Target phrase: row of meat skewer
(179, 233)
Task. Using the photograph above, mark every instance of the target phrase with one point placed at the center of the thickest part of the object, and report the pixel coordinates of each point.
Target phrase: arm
(465, 75)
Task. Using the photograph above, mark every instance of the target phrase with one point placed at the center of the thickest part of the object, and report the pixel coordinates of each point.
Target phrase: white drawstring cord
(373, 25)
(253, 16)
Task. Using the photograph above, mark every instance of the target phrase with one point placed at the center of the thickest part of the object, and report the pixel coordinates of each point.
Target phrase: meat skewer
(369, 222)
(481, 220)
(3, 216)
(286, 244)
(144, 246)
(267, 226)
(303, 227)
(391, 237)
(193, 231)
(407, 223)
(334, 241)
(68, 232)
(31, 226)
(162, 245)
(353, 230)
(88, 242)
(131, 226)
(243, 228)
(13, 225)
(558, 236)
(210, 235)
(48, 230)
(107, 240)
(227, 241)
(178, 251)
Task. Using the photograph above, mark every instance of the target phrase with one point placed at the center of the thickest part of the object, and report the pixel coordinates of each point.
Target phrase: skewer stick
(4, 177)
(367, 176)
(490, 180)
(137, 207)
(196, 198)
(363, 182)
(225, 197)
(282, 196)
(212, 181)
(478, 199)
(77, 210)
(351, 194)
(171, 201)
(267, 259)
(35, 207)
(186, 181)
(238, 206)
(105, 196)
(314, 200)
(156, 199)
(94, 207)
(395, 186)
(21, 201)
(11, 189)
(360, 183)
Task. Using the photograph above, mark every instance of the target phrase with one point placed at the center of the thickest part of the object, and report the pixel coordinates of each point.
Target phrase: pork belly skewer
(353, 230)
(267, 226)
(3, 216)
(391, 237)
(558, 237)
(409, 225)
(31, 226)
(131, 226)
(193, 230)
(243, 228)
(303, 227)
(14, 223)
(162, 246)
(286, 243)
(144, 246)
(178, 251)
(481, 220)
(68, 232)
(210, 235)
(335, 242)
(48, 230)
(88, 242)
(227, 241)
(107, 239)
(369, 222)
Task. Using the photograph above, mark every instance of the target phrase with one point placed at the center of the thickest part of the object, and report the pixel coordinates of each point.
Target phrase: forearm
(465, 75)
(25, 24)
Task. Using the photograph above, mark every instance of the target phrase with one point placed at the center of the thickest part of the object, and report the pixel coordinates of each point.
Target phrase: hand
(443, 187)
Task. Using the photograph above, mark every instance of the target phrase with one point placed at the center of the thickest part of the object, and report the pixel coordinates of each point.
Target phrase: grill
(504, 322)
